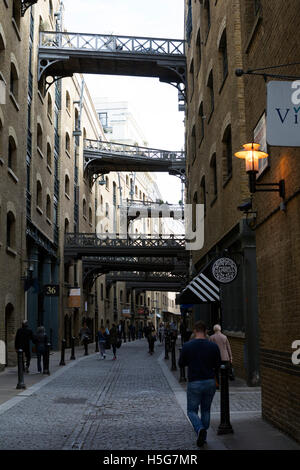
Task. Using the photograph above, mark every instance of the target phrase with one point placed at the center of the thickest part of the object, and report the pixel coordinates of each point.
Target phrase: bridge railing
(111, 43)
(106, 240)
(133, 151)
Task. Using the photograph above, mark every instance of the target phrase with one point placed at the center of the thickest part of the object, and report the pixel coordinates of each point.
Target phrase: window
(90, 216)
(10, 229)
(191, 81)
(39, 137)
(214, 180)
(189, 22)
(210, 86)
(49, 106)
(84, 208)
(103, 119)
(12, 154)
(198, 50)
(39, 194)
(193, 144)
(107, 183)
(203, 193)
(207, 19)
(14, 81)
(50, 8)
(127, 180)
(16, 12)
(49, 155)
(67, 185)
(67, 225)
(227, 153)
(68, 101)
(68, 143)
(201, 123)
(223, 58)
(194, 211)
(48, 207)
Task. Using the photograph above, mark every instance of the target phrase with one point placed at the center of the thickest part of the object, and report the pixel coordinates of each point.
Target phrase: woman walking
(113, 336)
(41, 341)
(102, 337)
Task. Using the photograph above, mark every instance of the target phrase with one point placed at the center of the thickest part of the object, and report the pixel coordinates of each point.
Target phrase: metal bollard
(63, 348)
(72, 349)
(20, 384)
(47, 359)
(166, 349)
(225, 426)
(173, 342)
(182, 377)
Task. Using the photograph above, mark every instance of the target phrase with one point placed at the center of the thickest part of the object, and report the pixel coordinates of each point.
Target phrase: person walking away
(225, 350)
(152, 339)
(161, 333)
(41, 341)
(113, 338)
(85, 334)
(203, 358)
(22, 341)
(102, 336)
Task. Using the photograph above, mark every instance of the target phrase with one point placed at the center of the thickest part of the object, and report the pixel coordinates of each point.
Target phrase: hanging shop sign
(224, 270)
(74, 298)
(283, 113)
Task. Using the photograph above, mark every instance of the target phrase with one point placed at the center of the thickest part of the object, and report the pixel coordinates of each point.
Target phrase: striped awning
(203, 288)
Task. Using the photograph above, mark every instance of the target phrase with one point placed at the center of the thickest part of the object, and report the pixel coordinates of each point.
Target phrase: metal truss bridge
(101, 157)
(78, 245)
(156, 281)
(148, 209)
(63, 53)
(94, 267)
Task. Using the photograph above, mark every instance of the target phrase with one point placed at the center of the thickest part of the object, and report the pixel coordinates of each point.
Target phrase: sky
(156, 103)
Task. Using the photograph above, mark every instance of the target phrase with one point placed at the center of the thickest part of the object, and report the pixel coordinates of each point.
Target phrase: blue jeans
(200, 393)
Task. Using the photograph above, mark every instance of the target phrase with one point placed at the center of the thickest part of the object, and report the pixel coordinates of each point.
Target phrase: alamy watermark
(2, 92)
(2, 352)
(296, 354)
(192, 225)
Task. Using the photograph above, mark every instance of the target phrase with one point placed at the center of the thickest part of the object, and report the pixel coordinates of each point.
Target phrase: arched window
(10, 230)
(214, 179)
(48, 207)
(50, 8)
(49, 106)
(68, 143)
(90, 216)
(16, 12)
(67, 224)
(14, 81)
(39, 194)
(12, 154)
(67, 185)
(227, 153)
(210, 86)
(194, 211)
(39, 137)
(207, 17)
(107, 183)
(49, 155)
(84, 208)
(68, 101)
(127, 180)
(223, 58)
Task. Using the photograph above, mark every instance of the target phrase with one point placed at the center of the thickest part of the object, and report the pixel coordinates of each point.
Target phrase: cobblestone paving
(123, 404)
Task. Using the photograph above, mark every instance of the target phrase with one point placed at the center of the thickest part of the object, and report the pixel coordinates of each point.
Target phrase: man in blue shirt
(202, 358)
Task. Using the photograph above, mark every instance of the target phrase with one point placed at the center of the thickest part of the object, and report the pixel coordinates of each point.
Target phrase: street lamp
(251, 154)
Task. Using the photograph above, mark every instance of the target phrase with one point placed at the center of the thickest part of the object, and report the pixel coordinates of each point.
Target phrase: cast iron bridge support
(63, 53)
(78, 245)
(101, 157)
(25, 5)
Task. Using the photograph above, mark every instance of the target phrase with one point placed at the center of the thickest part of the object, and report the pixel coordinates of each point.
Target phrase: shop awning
(201, 289)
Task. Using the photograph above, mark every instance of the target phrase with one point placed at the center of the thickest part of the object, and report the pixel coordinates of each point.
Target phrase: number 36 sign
(51, 290)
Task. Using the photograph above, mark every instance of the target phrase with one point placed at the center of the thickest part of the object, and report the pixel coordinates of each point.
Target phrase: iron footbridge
(62, 54)
(156, 281)
(134, 209)
(78, 245)
(101, 157)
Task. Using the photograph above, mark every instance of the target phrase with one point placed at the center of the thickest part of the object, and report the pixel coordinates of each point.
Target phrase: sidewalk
(9, 377)
(251, 431)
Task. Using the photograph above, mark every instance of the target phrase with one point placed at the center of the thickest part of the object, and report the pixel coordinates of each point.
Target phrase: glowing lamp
(251, 154)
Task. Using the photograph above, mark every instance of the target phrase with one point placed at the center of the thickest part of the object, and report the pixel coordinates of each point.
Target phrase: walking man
(202, 357)
(222, 341)
(22, 341)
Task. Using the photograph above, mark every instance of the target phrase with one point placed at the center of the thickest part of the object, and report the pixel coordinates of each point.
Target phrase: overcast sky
(156, 103)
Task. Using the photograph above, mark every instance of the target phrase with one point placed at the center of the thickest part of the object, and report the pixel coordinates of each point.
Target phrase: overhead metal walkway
(102, 157)
(78, 245)
(148, 209)
(63, 53)
(150, 281)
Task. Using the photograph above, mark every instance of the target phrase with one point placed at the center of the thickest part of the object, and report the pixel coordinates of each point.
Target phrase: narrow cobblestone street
(134, 403)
